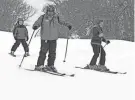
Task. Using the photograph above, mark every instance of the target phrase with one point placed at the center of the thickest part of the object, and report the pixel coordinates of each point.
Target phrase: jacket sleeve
(38, 22)
(15, 32)
(26, 33)
(62, 22)
(103, 39)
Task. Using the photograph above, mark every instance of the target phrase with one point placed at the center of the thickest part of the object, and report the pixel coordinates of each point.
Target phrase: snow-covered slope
(18, 84)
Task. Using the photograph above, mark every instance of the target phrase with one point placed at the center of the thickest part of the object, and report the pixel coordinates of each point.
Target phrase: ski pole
(66, 51)
(66, 48)
(105, 45)
(37, 33)
(28, 46)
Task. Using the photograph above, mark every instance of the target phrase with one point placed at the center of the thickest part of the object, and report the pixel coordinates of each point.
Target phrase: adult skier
(49, 35)
(20, 34)
(97, 38)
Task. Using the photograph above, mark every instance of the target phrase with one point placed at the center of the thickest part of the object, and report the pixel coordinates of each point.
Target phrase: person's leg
(101, 65)
(102, 56)
(42, 54)
(15, 46)
(25, 46)
(96, 50)
(52, 52)
(52, 55)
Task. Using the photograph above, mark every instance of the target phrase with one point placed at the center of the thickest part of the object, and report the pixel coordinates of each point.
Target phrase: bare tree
(82, 13)
(11, 10)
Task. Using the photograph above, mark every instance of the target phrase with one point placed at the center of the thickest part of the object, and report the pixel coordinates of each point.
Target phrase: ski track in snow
(18, 84)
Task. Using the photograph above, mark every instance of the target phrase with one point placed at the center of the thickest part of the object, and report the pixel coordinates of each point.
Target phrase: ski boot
(92, 67)
(12, 54)
(46, 68)
(51, 68)
(39, 68)
(26, 54)
(102, 68)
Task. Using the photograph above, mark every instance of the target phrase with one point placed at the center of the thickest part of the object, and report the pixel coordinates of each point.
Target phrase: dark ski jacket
(49, 28)
(20, 32)
(96, 31)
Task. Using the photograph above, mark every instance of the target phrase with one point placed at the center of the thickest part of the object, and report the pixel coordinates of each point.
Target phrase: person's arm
(101, 35)
(15, 32)
(26, 34)
(37, 23)
(61, 22)
(104, 40)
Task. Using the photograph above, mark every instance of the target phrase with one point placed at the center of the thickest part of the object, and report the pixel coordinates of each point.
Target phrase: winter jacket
(20, 32)
(49, 29)
(96, 31)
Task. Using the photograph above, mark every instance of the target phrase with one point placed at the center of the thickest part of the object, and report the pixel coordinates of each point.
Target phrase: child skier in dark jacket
(97, 38)
(20, 34)
(49, 23)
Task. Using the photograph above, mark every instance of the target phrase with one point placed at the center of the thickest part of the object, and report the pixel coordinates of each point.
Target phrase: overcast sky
(37, 3)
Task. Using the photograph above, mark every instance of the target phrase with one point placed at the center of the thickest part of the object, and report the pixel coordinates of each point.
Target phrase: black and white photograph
(67, 50)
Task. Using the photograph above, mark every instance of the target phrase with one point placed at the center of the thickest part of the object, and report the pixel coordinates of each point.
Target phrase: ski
(111, 72)
(53, 73)
(18, 55)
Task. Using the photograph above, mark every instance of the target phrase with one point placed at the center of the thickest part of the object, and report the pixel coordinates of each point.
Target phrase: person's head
(50, 10)
(20, 21)
(99, 22)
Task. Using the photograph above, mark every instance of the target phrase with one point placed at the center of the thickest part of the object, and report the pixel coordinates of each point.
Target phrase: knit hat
(20, 19)
(51, 8)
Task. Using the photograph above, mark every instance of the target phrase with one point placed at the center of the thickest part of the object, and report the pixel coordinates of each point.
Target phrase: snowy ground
(18, 84)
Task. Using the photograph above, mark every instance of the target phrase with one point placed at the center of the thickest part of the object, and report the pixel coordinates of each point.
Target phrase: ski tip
(72, 75)
(63, 74)
(124, 73)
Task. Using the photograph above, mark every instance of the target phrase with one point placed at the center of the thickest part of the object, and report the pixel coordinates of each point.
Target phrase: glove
(69, 27)
(35, 27)
(107, 42)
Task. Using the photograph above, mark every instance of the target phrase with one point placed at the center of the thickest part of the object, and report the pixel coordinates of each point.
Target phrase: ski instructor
(49, 35)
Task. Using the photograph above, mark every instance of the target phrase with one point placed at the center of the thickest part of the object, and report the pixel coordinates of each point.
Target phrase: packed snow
(19, 84)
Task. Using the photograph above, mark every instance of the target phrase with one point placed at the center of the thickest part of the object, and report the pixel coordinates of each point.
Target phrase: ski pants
(18, 42)
(50, 47)
(98, 50)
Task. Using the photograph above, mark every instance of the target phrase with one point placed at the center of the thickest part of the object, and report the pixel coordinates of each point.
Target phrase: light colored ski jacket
(49, 28)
